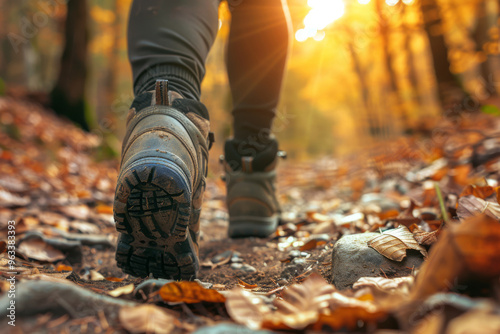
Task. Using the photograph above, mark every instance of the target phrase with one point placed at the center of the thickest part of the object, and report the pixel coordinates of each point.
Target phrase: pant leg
(256, 59)
(170, 39)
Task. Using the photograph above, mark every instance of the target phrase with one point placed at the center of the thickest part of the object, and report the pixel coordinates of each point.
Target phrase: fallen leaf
(245, 285)
(123, 290)
(385, 285)
(189, 292)
(348, 317)
(96, 276)
(76, 211)
(312, 244)
(63, 267)
(246, 308)
(470, 250)
(425, 238)
(114, 279)
(8, 199)
(40, 250)
(483, 320)
(477, 191)
(470, 206)
(3, 247)
(393, 243)
(102, 208)
(146, 319)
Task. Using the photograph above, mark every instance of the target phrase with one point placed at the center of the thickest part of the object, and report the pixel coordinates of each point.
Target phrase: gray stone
(353, 259)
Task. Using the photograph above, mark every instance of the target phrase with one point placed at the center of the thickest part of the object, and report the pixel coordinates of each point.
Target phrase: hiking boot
(161, 184)
(251, 188)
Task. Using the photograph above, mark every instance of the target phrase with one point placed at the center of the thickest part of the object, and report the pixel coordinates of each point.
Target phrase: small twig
(441, 203)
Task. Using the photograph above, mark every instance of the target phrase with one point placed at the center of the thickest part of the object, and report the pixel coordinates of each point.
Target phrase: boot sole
(243, 227)
(152, 209)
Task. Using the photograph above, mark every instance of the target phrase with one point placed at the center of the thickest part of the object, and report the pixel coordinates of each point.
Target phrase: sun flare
(322, 13)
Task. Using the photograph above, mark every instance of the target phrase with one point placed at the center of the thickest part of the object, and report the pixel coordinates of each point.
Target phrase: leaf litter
(59, 190)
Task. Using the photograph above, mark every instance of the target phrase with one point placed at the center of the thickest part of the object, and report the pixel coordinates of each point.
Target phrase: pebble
(243, 268)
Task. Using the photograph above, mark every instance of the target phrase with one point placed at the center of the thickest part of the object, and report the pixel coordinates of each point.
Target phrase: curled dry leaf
(394, 243)
(477, 191)
(470, 206)
(425, 238)
(39, 250)
(304, 304)
(123, 290)
(470, 250)
(189, 292)
(246, 308)
(146, 319)
(385, 285)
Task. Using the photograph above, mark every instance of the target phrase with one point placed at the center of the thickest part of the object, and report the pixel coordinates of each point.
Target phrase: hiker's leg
(170, 39)
(256, 58)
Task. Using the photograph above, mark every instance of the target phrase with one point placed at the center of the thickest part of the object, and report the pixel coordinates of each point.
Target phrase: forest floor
(440, 185)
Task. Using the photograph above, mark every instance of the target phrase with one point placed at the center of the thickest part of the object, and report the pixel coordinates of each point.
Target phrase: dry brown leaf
(393, 243)
(123, 290)
(317, 217)
(189, 292)
(76, 211)
(470, 206)
(146, 319)
(467, 250)
(425, 238)
(246, 308)
(3, 247)
(40, 250)
(347, 317)
(303, 304)
(312, 244)
(477, 191)
(385, 285)
(245, 285)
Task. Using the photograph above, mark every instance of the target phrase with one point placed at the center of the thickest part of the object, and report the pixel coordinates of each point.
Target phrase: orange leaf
(311, 244)
(246, 285)
(63, 267)
(189, 292)
(347, 317)
(114, 279)
(102, 208)
(481, 192)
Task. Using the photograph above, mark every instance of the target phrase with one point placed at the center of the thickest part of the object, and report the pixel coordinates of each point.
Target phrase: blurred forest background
(359, 70)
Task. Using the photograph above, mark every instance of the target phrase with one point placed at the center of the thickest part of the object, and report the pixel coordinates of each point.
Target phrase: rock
(353, 259)
(243, 268)
(229, 328)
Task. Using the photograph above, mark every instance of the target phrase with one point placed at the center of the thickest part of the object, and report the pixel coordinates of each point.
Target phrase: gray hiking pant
(170, 39)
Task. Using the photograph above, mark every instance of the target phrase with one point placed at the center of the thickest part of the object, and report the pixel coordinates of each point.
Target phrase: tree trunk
(392, 83)
(68, 95)
(371, 119)
(450, 91)
(481, 38)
